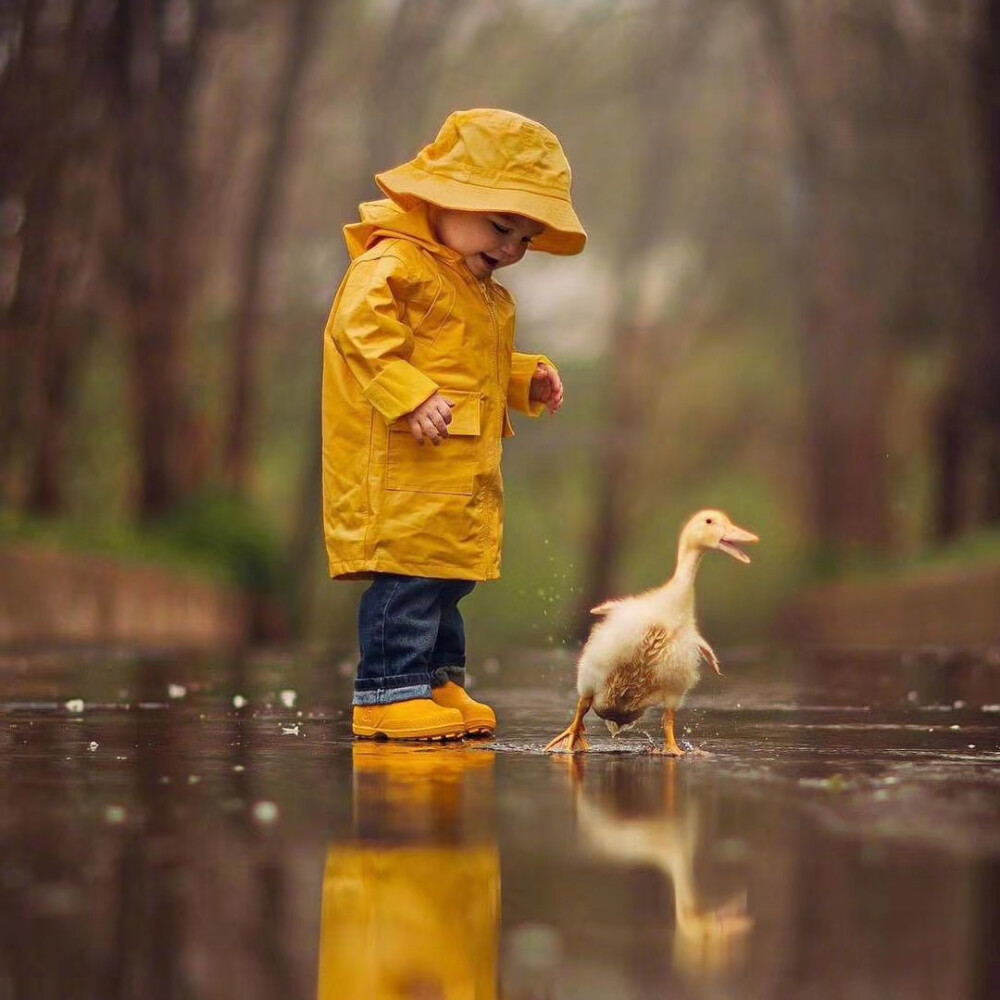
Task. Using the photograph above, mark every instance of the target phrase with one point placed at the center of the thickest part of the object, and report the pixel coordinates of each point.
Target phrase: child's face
(487, 240)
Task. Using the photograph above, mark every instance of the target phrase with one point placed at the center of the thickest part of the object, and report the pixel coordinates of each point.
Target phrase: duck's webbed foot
(568, 741)
(571, 739)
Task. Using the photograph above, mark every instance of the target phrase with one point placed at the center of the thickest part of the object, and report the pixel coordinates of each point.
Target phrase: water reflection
(646, 817)
(135, 862)
(411, 901)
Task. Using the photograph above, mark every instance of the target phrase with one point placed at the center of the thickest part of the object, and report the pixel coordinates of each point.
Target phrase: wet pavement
(180, 828)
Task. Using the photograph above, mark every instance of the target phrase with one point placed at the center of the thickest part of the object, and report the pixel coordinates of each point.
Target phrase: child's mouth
(490, 262)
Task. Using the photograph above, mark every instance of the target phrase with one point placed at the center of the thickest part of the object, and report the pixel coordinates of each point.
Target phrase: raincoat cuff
(399, 388)
(522, 367)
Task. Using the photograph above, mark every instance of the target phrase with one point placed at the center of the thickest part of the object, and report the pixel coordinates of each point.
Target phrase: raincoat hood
(386, 220)
(489, 160)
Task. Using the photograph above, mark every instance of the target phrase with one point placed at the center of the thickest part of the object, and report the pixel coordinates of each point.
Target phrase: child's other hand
(429, 421)
(547, 388)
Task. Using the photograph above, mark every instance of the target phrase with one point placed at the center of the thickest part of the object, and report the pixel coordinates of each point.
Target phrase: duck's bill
(733, 539)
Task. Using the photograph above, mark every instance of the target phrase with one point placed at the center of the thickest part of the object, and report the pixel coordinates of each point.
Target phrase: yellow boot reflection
(411, 905)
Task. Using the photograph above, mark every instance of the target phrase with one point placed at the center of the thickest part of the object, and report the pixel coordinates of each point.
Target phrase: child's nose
(512, 246)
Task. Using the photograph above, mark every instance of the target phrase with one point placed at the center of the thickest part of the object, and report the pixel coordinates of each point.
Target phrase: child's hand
(429, 421)
(546, 387)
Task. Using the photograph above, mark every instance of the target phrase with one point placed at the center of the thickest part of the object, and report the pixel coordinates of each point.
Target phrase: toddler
(419, 375)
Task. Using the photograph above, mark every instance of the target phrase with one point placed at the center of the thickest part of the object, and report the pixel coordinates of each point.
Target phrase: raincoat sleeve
(376, 344)
(522, 368)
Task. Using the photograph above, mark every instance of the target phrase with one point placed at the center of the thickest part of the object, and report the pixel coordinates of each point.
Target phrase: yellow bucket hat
(488, 160)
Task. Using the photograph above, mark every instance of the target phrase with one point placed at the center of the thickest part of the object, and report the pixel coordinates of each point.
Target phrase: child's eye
(502, 230)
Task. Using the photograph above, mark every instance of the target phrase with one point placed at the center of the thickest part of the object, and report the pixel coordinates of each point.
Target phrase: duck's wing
(709, 654)
(606, 606)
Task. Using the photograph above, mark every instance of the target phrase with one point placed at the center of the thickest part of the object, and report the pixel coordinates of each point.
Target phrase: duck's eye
(708, 520)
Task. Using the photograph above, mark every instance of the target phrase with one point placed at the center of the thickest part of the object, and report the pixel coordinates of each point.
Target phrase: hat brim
(563, 234)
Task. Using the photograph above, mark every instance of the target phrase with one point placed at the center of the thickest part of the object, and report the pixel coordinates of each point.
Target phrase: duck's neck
(678, 591)
(681, 584)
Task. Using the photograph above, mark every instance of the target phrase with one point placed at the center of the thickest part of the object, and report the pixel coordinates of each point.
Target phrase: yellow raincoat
(409, 319)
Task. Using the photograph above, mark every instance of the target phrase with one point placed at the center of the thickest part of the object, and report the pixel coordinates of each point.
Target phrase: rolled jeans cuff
(441, 675)
(405, 688)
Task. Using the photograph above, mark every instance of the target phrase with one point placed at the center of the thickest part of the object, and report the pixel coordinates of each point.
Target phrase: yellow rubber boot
(479, 719)
(416, 719)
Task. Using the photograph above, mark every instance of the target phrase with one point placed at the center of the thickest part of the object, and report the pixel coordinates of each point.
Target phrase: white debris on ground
(176, 690)
(239, 701)
(288, 697)
(74, 705)
(265, 812)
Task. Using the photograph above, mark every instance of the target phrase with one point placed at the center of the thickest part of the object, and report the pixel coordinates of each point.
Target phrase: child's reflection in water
(411, 905)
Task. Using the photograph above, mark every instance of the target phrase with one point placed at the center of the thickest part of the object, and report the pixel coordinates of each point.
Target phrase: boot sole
(374, 733)
(480, 730)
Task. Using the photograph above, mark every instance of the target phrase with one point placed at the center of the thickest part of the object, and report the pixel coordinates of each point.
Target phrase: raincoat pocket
(447, 468)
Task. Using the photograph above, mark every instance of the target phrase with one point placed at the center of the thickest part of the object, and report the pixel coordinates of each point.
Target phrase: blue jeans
(411, 636)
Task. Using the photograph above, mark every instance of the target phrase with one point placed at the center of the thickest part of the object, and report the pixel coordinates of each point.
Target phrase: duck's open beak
(733, 538)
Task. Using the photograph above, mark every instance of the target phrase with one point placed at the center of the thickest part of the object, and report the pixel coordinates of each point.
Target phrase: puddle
(233, 840)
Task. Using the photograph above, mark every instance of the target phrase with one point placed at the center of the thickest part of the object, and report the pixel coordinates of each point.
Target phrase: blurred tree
(968, 426)
(302, 35)
(880, 184)
(668, 39)
(827, 61)
(52, 189)
(156, 60)
(985, 347)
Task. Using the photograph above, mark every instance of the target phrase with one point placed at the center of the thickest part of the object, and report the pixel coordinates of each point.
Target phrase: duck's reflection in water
(411, 903)
(639, 817)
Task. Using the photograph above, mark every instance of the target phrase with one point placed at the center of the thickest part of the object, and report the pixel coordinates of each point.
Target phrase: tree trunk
(157, 80)
(985, 354)
(845, 361)
(29, 316)
(846, 379)
(616, 459)
(659, 90)
(52, 121)
(21, 171)
(950, 453)
(300, 46)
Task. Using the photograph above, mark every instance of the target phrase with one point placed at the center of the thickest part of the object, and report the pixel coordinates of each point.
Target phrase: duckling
(647, 649)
